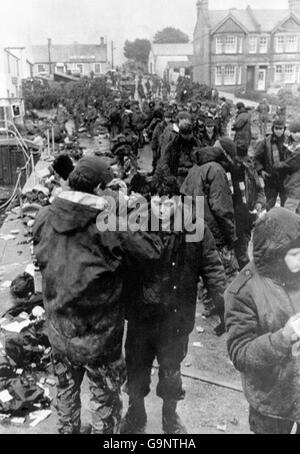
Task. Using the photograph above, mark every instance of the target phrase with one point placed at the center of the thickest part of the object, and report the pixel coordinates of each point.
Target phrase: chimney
(294, 6)
(102, 41)
(202, 7)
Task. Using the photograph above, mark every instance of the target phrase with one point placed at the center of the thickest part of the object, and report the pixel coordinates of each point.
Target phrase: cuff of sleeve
(280, 343)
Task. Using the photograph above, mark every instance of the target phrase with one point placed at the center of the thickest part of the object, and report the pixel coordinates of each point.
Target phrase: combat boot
(135, 420)
(172, 423)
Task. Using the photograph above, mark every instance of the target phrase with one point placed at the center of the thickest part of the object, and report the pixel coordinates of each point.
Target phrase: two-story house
(251, 49)
(73, 59)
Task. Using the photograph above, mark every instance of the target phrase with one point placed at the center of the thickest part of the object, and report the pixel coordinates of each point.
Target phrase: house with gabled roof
(170, 60)
(247, 48)
(73, 59)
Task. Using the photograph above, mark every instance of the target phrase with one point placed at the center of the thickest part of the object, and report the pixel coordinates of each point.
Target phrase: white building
(15, 65)
(170, 60)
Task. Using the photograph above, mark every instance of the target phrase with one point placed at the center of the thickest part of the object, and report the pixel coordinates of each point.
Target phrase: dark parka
(178, 156)
(169, 288)
(258, 305)
(242, 128)
(289, 170)
(263, 157)
(209, 179)
(82, 272)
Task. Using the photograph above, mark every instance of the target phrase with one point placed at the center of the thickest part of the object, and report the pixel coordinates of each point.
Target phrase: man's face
(210, 130)
(168, 120)
(292, 260)
(296, 136)
(163, 208)
(278, 131)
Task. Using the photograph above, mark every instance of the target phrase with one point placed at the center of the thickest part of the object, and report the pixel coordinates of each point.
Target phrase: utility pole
(49, 55)
(112, 55)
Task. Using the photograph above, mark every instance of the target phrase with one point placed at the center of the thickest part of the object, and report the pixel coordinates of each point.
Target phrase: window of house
(279, 47)
(252, 44)
(218, 76)
(97, 68)
(291, 43)
(80, 67)
(41, 69)
(289, 76)
(263, 45)
(219, 45)
(229, 75)
(278, 73)
(230, 45)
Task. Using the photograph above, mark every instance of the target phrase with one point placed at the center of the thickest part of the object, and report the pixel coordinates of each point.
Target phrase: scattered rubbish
(200, 330)
(42, 380)
(3, 417)
(16, 327)
(16, 420)
(5, 396)
(6, 284)
(30, 223)
(51, 381)
(30, 269)
(222, 427)
(39, 416)
(197, 344)
(19, 371)
(24, 315)
(7, 237)
(38, 312)
(234, 422)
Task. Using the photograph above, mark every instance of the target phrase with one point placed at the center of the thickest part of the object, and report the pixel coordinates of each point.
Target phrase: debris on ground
(234, 422)
(197, 344)
(200, 330)
(222, 427)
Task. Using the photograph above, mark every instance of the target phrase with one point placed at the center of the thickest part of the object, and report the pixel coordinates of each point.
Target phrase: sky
(66, 21)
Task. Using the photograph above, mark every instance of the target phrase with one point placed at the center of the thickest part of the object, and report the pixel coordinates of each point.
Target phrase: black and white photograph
(150, 219)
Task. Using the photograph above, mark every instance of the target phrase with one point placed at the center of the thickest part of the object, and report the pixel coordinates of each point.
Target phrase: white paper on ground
(7, 237)
(5, 396)
(6, 284)
(17, 420)
(197, 344)
(39, 417)
(16, 327)
(30, 269)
